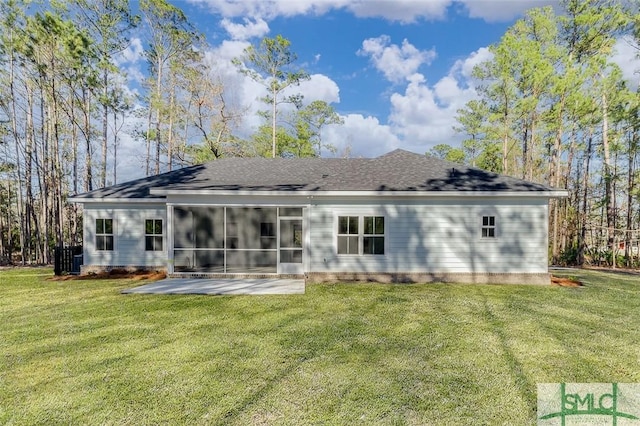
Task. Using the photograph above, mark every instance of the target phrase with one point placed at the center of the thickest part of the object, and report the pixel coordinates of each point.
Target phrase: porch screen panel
(198, 234)
(182, 228)
(251, 228)
(252, 261)
(251, 240)
(209, 227)
(231, 240)
(210, 260)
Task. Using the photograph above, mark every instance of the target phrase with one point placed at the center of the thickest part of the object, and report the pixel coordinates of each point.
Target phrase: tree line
(64, 102)
(554, 108)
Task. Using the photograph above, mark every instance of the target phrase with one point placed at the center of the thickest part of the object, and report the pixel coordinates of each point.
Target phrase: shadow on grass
(526, 388)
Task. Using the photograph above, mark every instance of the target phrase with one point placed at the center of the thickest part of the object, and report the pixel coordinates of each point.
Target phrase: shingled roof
(396, 171)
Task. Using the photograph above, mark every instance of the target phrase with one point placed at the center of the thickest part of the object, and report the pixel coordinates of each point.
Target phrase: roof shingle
(395, 171)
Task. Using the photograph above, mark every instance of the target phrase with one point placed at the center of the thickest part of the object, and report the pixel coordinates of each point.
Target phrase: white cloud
(131, 60)
(626, 57)
(397, 63)
(134, 73)
(502, 10)
(361, 136)
(465, 66)
(269, 9)
(132, 54)
(228, 50)
(405, 11)
(318, 87)
(424, 115)
(251, 28)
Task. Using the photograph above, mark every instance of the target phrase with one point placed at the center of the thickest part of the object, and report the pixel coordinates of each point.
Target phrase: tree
(553, 101)
(447, 152)
(288, 145)
(472, 121)
(312, 119)
(108, 22)
(171, 43)
(59, 55)
(271, 64)
(211, 114)
(590, 30)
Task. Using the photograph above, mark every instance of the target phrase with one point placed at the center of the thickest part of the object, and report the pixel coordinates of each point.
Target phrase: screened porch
(237, 240)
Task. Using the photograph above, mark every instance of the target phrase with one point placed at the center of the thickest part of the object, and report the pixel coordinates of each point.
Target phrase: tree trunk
(88, 182)
(555, 178)
(21, 207)
(608, 178)
(170, 129)
(585, 195)
(148, 140)
(273, 124)
(105, 122)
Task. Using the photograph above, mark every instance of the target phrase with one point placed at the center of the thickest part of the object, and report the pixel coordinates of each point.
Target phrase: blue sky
(396, 71)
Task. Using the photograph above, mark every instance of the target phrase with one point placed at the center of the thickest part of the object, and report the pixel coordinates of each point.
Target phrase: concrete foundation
(462, 278)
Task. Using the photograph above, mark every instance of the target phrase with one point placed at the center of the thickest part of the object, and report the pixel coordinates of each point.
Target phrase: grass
(79, 352)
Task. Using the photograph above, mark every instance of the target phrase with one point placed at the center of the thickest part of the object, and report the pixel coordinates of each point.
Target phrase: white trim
(162, 200)
(411, 194)
(488, 227)
(361, 235)
(145, 235)
(306, 231)
(222, 204)
(169, 247)
(96, 235)
(556, 193)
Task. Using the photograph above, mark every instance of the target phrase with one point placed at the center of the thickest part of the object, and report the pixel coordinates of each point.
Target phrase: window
(355, 232)
(373, 240)
(268, 235)
(488, 226)
(153, 235)
(104, 234)
(348, 238)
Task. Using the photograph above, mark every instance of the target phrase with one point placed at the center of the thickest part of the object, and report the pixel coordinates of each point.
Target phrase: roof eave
(156, 200)
(555, 193)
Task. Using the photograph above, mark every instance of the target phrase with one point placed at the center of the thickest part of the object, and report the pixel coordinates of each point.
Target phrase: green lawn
(79, 352)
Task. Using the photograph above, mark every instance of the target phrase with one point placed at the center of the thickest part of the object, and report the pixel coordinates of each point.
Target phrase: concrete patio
(218, 286)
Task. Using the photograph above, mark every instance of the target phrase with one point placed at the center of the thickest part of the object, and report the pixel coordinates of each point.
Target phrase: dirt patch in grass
(565, 282)
(116, 273)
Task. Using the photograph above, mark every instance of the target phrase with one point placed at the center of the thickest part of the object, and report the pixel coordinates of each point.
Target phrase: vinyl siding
(438, 236)
(128, 235)
(422, 235)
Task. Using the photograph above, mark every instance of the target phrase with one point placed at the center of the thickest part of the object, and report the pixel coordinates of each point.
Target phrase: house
(400, 217)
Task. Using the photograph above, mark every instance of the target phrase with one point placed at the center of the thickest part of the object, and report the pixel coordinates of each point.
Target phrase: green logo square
(588, 404)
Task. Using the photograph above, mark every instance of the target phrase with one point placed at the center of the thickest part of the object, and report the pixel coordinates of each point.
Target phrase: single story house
(400, 217)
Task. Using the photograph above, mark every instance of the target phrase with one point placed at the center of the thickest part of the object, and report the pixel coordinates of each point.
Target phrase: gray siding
(128, 233)
(438, 236)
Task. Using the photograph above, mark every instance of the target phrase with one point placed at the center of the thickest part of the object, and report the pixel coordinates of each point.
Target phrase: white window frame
(373, 235)
(154, 235)
(360, 235)
(349, 236)
(104, 235)
(488, 227)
